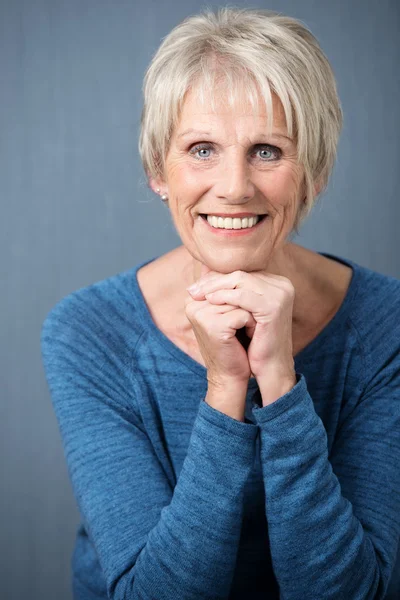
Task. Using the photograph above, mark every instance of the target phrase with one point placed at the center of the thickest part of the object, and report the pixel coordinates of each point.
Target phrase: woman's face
(228, 165)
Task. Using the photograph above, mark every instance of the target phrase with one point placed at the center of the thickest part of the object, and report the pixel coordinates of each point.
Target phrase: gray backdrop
(76, 209)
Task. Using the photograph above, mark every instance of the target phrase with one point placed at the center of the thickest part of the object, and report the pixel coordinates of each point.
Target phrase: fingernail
(193, 289)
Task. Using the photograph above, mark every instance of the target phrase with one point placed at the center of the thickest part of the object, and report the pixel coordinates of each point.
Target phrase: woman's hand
(215, 326)
(269, 299)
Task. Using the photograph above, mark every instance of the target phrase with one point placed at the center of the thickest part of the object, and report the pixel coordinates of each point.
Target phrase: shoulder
(376, 303)
(97, 319)
(375, 317)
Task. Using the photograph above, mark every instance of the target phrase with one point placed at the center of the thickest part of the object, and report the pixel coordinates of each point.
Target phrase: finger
(197, 305)
(235, 320)
(253, 280)
(195, 310)
(230, 281)
(249, 300)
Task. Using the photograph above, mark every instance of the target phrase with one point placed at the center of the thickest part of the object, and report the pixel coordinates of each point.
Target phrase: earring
(164, 197)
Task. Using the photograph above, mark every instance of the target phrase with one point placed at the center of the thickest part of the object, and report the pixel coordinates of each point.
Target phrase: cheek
(190, 183)
(294, 173)
(180, 173)
(285, 184)
(176, 171)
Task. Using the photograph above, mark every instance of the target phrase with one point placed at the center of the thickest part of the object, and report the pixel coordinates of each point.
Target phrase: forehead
(194, 110)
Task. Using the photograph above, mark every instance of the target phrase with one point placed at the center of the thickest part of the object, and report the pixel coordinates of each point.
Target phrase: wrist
(228, 397)
(275, 386)
(219, 383)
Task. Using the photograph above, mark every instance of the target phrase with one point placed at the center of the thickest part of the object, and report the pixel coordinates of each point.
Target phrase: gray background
(76, 209)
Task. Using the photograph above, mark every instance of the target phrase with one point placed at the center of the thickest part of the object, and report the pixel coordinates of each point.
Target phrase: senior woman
(240, 438)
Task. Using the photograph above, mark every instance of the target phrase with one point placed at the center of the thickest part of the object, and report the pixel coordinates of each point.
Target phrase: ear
(156, 184)
(317, 187)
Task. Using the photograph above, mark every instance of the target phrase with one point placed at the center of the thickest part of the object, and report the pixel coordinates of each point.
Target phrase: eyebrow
(198, 132)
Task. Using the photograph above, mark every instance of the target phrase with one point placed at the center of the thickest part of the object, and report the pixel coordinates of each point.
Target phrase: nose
(234, 179)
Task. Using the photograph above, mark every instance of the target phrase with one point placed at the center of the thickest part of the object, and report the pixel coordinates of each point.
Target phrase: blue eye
(261, 147)
(198, 149)
(271, 149)
(265, 150)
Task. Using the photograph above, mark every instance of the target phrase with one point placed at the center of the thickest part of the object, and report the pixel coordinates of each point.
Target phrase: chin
(236, 264)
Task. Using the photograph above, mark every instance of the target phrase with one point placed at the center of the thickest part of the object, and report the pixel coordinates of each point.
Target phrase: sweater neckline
(328, 331)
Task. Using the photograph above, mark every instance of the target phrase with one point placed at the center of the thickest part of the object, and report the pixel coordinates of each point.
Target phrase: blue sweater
(179, 501)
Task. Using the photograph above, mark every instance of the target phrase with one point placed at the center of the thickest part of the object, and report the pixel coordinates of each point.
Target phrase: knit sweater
(179, 501)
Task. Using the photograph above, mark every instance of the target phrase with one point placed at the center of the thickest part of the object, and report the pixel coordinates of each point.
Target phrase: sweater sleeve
(152, 541)
(333, 520)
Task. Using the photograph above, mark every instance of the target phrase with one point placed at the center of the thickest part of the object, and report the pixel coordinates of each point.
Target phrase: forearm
(228, 398)
(192, 552)
(318, 546)
(275, 384)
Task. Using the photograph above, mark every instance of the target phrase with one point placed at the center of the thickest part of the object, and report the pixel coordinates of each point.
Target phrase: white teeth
(235, 223)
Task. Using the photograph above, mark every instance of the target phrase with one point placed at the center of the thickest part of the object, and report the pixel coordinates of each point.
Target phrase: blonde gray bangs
(245, 53)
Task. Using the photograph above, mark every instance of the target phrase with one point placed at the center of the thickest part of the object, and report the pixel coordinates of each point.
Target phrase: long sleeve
(152, 541)
(333, 520)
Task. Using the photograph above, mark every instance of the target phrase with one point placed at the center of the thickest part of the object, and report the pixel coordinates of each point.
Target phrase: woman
(240, 440)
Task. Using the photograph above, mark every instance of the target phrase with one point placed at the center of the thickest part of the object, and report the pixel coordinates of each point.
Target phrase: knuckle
(287, 289)
(287, 284)
(290, 292)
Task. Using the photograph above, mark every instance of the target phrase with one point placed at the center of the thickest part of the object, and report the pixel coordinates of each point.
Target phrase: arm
(152, 541)
(229, 399)
(333, 521)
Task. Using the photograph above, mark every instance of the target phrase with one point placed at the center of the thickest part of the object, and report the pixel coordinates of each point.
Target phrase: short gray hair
(256, 50)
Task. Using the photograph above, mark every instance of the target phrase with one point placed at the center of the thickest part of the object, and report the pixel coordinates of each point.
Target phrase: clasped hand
(260, 302)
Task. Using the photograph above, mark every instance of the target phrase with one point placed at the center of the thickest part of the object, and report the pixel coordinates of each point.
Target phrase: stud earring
(164, 197)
